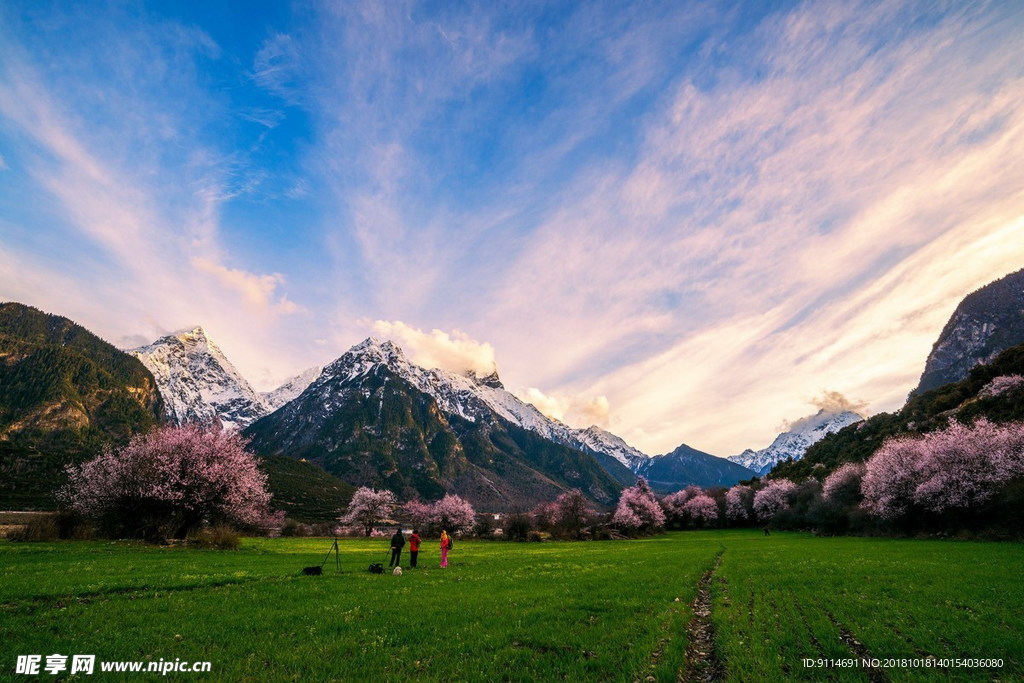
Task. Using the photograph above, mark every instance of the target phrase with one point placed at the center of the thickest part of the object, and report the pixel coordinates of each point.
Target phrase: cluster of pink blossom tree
(959, 468)
(638, 509)
(842, 487)
(773, 498)
(568, 516)
(701, 510)
(451, 514)
(957, 471)
(691, 506)
(739, 503)
(1002, 385)
(169, 482)
(368, 508)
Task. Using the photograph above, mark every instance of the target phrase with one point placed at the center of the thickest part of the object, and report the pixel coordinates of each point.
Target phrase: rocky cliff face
(985, 323)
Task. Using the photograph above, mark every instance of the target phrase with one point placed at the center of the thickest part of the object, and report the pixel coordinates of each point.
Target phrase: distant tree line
(176, 482)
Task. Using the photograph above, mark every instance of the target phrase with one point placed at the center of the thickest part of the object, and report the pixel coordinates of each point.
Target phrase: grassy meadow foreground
(576, 611)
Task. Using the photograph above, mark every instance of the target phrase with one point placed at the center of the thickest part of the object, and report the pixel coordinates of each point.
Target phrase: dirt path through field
(702, 664)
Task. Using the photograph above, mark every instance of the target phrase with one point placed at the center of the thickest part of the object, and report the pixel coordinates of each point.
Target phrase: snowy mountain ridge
(197, 381)
(373, 418)
(471, 397)
(795, 442)
(199, 384)
(290, 389)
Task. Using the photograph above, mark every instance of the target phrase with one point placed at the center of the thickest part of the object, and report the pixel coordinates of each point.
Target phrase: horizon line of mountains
(372, 417)
(200, 384)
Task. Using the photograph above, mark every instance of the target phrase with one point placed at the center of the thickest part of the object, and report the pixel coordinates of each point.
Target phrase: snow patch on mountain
(198, 383)
(290, 389)
(794, 443)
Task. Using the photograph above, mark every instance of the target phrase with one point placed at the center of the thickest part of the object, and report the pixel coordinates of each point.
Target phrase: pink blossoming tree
(675, 503)
(368, 507)
(843, 486)
(170, 482)
(702, 510)
(959, 468)
(773, 498)
(545, 516)
(638, 509)
(573, 512)
(420, 514)
(453, 514)
(1003, 384)
(739, 503)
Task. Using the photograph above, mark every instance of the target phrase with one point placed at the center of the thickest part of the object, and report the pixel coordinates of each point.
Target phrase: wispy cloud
(575, 411)
(784, 232)
(682, 220)
(454, 351)
(154, 244)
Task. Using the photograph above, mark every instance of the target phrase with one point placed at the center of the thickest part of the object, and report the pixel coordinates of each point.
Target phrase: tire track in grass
(915, 647)
(815, 643)
(784, 665)
(701, 663)
(857, 649)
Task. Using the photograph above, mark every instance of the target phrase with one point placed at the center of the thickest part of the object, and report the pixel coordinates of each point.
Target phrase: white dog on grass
(397, 572)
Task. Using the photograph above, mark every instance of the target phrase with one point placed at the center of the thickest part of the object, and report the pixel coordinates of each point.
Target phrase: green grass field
(541, 611)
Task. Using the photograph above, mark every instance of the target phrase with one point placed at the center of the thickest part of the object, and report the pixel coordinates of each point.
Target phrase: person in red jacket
(414, 547)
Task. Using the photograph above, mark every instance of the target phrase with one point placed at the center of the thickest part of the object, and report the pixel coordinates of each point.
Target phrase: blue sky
(683, 221)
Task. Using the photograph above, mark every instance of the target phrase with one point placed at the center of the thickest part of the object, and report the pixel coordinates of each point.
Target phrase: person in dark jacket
(414, 547)
(397, 543)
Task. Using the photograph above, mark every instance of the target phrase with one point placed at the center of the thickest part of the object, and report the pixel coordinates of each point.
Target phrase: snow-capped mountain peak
(472, 397)
(795, 441)
(602, 441)
(197, 381)
(491, 380)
